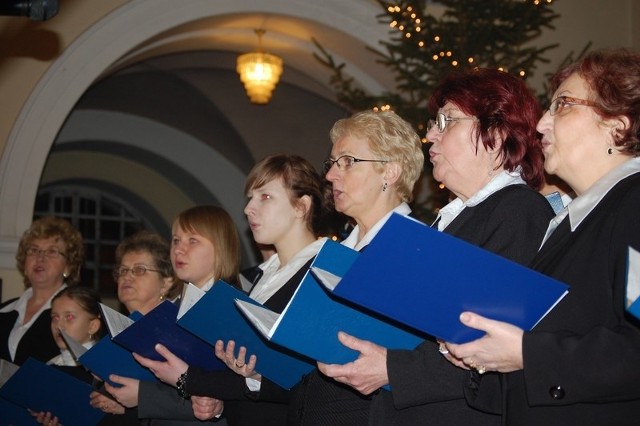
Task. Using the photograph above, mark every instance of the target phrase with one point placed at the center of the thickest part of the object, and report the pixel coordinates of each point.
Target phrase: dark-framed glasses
(345, 162)
(50, 253)
(136, 271)
(561, 102)
(441, 121)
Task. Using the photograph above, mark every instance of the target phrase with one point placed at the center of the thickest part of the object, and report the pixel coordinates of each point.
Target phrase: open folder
(215, 317)
(425, 279)
(106, 358)
(310, 322)
(41, 387)
(633, 283)
(159, 326)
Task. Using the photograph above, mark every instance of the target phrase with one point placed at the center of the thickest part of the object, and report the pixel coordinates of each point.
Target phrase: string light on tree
(423, 47)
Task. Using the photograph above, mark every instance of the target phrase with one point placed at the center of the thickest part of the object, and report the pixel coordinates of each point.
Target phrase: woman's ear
(167, 285)
(618, 125)
(392, 172)
(303, 205)
(94, 326)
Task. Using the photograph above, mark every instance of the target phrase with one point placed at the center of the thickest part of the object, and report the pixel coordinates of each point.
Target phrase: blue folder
(310, 323)
(215, 317)
(159, 326)
(40, 387)
(633, 283)
(12, 414)
(106, 357)
(425, 279)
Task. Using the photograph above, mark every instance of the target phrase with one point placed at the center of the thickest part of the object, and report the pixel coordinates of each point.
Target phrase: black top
(37, 342)
(426, 388)
(241, 406)
(581, 361)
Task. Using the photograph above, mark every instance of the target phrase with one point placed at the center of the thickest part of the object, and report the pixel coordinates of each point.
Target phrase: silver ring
(443, 349)
(481, 369)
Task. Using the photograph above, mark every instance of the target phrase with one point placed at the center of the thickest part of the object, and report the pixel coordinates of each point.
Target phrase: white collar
(503, 179)
(352, 240)
(581, 206)
(20, 304)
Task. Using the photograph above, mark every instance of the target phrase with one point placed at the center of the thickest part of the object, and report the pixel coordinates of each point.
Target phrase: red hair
(613, 77)
(504, 107)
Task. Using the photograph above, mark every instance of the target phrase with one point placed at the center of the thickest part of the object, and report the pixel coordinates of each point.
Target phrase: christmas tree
(423, 48)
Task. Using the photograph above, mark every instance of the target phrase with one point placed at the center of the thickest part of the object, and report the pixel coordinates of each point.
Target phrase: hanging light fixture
(259, 72)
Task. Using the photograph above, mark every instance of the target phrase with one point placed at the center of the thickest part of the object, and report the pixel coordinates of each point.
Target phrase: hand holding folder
(311, 321)
(425, 279)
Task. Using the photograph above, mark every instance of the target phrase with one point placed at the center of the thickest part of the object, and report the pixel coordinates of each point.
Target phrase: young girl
(76, 311)
(287, 203)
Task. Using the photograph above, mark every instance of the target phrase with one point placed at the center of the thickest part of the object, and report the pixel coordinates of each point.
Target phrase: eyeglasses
(345, 162)
(136, 271)
(442, 120)
(49, 253)
(558, 104)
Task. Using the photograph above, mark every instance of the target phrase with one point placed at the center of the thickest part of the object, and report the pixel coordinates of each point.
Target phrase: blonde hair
(215, 224)
(390, 138)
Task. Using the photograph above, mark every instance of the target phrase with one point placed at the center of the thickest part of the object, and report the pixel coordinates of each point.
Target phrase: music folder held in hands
(425, 279)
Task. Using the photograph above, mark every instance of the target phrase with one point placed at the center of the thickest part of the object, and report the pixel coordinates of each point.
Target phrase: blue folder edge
(106, 357)
(159, 326)
(40, 387)
(311, 321)
(424, 278)
(215, 317)
(12, 414)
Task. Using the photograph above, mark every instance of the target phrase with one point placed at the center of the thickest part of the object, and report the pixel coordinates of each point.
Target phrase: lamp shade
(259, 72)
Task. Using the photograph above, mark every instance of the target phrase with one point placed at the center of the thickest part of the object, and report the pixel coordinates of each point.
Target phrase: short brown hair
(159, 249)
(613, 78)
(299, 178)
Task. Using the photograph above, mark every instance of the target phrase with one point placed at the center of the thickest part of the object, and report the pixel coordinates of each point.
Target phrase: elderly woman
(486, 151)
(579, 365)
(375, 161)
(49, 258)
(145, 278)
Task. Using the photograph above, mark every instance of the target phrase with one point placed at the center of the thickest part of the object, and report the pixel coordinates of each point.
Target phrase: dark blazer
(241, 406)
(582, 361)
(427, 389)
(37, 342)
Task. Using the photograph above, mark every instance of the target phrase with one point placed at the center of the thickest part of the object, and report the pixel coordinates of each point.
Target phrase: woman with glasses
(205, 247)
(49, 257)
(375, 161)
(144, 278)
(486, 151)
(579, 365)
